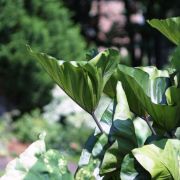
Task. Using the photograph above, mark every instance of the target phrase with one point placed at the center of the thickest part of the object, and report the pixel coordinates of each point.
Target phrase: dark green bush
(45, 25)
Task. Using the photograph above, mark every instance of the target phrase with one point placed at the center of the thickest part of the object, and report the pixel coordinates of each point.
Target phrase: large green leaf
(37, 163)
(149, 90)
(122, 133)
(109, 150)
(169, 27)
(83, 81)
(160, 158)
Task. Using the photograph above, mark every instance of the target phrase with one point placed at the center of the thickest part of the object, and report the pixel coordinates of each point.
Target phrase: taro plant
(113, 150)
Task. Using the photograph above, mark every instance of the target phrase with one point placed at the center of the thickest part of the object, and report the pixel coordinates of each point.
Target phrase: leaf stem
(146, 118)
(97, 122)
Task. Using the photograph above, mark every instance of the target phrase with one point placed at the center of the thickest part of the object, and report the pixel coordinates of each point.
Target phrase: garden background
(29, 100)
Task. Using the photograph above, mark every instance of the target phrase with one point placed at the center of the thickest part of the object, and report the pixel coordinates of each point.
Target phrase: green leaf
(149, 91)
(37, 163)
(111, 148)
(122, 133)
(131, 169)
(160, 158)
(83, 81)
(169, 27)
(142, 130)
(175, 61)
(177, 133)
(91, 157)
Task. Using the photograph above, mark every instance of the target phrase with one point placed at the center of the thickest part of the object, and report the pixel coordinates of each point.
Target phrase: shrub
(28, 127)
(44, 25)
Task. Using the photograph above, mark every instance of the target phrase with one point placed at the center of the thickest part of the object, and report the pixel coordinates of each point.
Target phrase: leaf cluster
(145, 92)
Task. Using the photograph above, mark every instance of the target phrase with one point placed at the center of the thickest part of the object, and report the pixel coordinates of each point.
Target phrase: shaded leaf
(169, 27)
(122, 133)
(120, 139)
(132, 170)
(175, 61)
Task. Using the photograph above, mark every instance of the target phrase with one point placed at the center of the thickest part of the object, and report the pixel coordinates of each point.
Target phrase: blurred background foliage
(66, 29)
(46, 26)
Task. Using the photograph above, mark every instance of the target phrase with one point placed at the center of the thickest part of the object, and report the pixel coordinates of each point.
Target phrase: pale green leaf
(160, 158)
(169, 27)
(122, 132)
(142, 130)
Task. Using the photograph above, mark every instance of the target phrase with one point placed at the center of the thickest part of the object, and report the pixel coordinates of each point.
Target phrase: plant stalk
(148, 123)
(97, 122)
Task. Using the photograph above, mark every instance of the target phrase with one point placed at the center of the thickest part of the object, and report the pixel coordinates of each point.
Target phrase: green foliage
(45, 25)
(38, 163)
(169, 27)
(27, 128)
(160, 158)
(115, 152)
(81, 79)
(22, 129)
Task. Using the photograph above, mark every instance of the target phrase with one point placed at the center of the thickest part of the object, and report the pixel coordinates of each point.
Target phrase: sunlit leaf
(91, 157)
(83, 81)
(169, 27)
(160, 158)
(142, 131)
(120, 139)
(122, 132)
(149, 91)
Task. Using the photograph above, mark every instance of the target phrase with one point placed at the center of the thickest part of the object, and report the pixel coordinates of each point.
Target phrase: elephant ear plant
(113, 151)
(140, 94)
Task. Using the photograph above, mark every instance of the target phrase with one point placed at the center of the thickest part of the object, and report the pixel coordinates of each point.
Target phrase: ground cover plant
(113, 150)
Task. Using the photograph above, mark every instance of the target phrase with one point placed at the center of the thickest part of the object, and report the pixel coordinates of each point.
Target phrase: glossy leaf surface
(83, 81)
(154, 94)
(122, 133)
